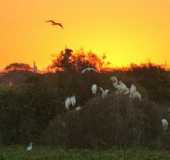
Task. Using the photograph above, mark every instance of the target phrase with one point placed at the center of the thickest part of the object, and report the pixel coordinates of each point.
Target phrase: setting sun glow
(126, 31)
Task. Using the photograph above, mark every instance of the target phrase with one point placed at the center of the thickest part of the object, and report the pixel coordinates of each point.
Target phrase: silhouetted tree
(69, 61)
(18, 67)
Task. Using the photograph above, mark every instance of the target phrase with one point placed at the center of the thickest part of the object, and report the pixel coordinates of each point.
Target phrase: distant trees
(154, 78)
(69, 61)
(18, 67)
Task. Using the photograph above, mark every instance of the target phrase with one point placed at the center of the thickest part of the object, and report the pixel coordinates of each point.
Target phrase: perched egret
(104, 92)
(88, 69)
(120, 86)
(123, 89)
(132, 88)
(164, 124)
(29, 147)
(73, 100)
(114, 80)
(94, 89)
(68, 103)
(134, 94)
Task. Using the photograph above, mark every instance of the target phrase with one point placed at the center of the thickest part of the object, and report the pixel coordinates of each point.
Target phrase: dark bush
(115, 120)
(25, 111)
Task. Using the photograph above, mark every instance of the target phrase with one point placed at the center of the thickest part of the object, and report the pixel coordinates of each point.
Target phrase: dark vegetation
(52, 153)
(32, 105)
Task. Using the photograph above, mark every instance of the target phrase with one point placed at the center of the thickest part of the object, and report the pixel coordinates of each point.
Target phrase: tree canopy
(68, 60)
(18, 67)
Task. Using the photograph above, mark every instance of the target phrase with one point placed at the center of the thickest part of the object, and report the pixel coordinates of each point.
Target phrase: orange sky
(125, 30)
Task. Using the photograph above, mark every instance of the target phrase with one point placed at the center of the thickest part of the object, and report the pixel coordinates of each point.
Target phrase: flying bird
(55, 23)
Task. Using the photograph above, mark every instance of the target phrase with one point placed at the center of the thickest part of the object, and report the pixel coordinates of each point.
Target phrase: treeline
(33, 109)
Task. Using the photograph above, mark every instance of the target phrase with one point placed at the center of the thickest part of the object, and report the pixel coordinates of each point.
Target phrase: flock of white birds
(121, 89)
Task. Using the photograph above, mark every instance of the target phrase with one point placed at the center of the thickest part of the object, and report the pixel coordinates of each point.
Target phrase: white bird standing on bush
(68, 103)
(104, 92)
(73, 100)
(94, 89)
(134, 94)
(114, 80)
(88, 69)
(29, 147)
(120, 86)
(164, 124)
(123, 89)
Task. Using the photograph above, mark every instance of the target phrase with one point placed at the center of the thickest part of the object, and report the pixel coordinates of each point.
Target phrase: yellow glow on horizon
(127, 31)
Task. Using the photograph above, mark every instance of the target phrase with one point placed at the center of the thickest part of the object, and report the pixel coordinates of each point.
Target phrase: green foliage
(49, 153)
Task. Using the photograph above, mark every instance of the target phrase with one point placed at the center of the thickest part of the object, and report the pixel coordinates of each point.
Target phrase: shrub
(115, 120)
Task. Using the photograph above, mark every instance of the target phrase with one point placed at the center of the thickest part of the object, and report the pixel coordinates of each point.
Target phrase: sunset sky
(127, 31)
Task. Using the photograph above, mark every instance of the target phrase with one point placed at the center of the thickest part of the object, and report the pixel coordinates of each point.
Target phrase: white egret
(132, 88)
(114, 80)
(120, 86)
(123, 89)
(29, 147)
(164, 124)
(73, 100)
(68, 103)
(104, 92)
(134, 94)
(94, 89)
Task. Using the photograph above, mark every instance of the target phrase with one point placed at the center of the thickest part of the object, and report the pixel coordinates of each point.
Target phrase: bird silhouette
(55, 23)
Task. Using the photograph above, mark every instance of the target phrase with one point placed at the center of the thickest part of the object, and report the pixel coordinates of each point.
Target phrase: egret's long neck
(115, 83)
